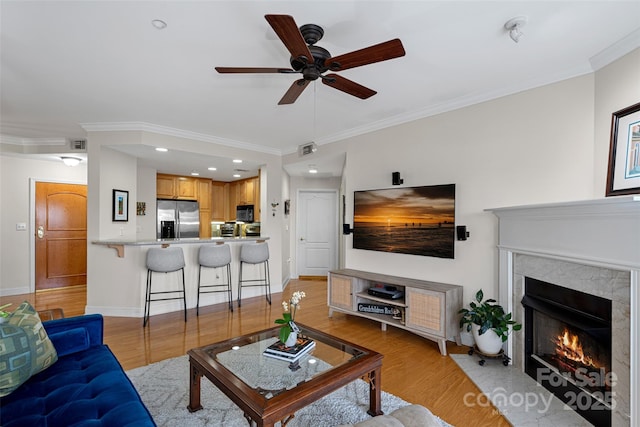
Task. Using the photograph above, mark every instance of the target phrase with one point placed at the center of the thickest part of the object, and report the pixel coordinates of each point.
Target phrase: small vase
(291, 341)
(488, 343)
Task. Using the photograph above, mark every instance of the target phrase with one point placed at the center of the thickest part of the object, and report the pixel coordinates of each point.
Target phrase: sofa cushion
(87, 388)
(70, 341)
(25, 348)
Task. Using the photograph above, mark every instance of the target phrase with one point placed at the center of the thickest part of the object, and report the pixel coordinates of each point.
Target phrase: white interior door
(317, 232)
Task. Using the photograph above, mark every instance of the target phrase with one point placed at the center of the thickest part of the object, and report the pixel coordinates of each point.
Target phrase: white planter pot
(291, 341)
(488, 343)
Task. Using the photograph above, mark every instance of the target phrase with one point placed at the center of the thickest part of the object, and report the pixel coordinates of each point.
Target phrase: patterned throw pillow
(25, 348)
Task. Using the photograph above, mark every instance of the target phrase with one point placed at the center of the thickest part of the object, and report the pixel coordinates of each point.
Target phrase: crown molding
(16, 140)
(616, 50)
(179, 133)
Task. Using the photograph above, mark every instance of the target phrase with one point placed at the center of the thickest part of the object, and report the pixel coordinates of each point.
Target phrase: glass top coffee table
(270, 390)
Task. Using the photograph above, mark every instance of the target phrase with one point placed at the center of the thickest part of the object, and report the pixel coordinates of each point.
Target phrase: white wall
(15, 198)
(617, 87)
(532, 147)
(548, 144)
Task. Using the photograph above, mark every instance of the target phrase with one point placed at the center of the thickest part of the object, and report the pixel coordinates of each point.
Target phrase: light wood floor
(413, 368)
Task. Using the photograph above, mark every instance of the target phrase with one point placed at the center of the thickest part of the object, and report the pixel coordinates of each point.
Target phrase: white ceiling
(68, 66)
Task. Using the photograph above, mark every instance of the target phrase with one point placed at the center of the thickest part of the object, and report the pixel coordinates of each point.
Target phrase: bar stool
(255, 253)
(214, 256)
(166, 260)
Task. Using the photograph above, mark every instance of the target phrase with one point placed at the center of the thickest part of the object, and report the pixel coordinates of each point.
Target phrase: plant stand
(501, 355)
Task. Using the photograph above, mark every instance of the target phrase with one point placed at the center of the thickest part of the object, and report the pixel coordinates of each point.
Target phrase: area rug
(164, 388)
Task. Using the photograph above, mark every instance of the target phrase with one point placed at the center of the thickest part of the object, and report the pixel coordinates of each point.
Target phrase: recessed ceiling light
(237, 161)
(312, 169)
(162, 150)
(194, 173)
(212, 169)
(236, 175)
(71, 161)
(159, 24)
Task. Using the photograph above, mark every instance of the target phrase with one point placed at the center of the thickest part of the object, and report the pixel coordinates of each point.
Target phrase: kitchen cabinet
(219, 200)
(244, 192)
(204, 201)
(428, 309)
(176, 187)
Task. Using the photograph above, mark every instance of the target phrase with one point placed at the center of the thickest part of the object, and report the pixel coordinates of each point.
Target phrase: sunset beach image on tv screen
(410, 220)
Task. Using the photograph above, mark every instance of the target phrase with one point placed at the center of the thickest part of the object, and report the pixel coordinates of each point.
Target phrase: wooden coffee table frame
(282, 408)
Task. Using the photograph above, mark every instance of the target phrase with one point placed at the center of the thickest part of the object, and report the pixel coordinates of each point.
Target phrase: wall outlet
(21, 226)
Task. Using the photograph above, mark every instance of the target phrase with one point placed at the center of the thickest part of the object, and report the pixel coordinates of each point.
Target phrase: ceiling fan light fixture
(514, 26)
(71, 161)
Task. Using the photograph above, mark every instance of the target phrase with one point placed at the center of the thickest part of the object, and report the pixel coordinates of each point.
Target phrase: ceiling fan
(312, 61)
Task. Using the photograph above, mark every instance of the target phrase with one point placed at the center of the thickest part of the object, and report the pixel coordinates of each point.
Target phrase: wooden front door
(60, 235)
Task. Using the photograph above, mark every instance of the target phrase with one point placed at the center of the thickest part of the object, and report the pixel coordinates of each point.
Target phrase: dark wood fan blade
(294, 92)
(352, 88)
(225, 70)
(287, 30)
(368, 55)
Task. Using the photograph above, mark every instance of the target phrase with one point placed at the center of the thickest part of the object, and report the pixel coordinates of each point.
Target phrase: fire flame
(569, 346)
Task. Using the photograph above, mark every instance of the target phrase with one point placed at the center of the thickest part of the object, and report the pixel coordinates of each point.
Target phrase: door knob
(302, 239)
(40, 232)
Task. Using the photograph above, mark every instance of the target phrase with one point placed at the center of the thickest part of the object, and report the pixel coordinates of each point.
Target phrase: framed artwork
(623, 176)
(120, 208)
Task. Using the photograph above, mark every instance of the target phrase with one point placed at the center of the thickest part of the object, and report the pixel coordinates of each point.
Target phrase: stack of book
(278, 350)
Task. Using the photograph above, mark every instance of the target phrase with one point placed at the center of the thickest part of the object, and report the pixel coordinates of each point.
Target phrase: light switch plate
(21, 226)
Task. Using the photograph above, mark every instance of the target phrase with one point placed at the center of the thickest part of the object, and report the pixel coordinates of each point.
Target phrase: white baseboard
(114, 311)
(5, 292)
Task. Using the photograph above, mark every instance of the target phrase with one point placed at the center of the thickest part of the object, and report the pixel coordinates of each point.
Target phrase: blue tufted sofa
(85, 387)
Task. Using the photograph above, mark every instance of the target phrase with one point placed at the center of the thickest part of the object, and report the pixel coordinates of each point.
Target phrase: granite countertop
(178, 241)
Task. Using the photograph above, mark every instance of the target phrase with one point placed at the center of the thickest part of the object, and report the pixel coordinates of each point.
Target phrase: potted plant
(4, 314)
(488, 322)
(289, 330)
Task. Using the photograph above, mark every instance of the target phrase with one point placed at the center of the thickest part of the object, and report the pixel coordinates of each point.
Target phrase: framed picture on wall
(623, 176)
(120, 208)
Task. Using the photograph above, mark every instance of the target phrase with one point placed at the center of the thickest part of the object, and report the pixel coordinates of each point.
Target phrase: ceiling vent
(79, 144)
(306, 149)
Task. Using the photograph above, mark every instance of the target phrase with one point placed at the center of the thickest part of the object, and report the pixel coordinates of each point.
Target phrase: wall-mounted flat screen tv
(408, 220)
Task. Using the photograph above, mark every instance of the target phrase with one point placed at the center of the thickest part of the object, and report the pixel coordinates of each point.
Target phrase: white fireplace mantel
(601, 233)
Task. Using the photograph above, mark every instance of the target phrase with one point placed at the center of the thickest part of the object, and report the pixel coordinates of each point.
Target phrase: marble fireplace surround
(591, 246)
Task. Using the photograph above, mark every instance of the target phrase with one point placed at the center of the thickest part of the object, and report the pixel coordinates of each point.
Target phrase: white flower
(296, 297)
(285, 306)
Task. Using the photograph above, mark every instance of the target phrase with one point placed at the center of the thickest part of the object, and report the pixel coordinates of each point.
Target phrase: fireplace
(568, 347)
(587, 246)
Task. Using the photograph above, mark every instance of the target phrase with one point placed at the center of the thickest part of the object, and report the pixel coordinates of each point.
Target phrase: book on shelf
(279, 351)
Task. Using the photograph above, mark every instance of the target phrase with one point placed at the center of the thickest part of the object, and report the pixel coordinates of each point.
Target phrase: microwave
(244, 213)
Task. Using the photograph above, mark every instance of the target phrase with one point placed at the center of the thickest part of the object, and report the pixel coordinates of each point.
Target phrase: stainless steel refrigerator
(178, 219)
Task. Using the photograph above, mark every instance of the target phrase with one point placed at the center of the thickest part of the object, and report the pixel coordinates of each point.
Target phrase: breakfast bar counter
(119, 245)
(128, 275)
